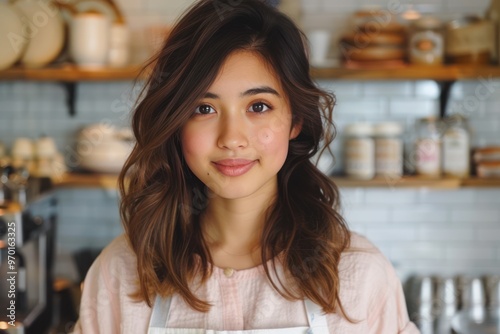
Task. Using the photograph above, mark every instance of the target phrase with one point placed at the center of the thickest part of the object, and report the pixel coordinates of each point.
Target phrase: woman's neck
(233, 228)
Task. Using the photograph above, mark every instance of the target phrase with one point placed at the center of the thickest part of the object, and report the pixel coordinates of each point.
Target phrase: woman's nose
(232, 132)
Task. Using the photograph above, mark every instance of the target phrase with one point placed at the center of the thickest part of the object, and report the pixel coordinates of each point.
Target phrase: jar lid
(464, 22)
(455, 118)
(359, 129)
(427, 22)
(430, 119)
(388, 129)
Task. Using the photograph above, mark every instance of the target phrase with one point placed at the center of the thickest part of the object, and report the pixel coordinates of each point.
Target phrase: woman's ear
(295, 130)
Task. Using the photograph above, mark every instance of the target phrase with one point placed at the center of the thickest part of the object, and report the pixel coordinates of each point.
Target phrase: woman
(229, 228)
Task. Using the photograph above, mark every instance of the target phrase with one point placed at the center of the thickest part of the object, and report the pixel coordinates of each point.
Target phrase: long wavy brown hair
(161, 198)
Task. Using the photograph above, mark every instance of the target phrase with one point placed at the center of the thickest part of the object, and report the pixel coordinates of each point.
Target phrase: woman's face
(237, 139)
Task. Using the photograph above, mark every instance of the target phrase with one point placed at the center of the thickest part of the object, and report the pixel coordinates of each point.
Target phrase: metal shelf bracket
(444, 95)
(70, 88)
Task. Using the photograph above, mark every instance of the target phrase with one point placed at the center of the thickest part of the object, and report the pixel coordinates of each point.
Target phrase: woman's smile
(234, 167)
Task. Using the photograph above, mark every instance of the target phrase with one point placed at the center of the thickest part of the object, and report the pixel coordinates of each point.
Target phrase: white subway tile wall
(425, 231)
(430, 231)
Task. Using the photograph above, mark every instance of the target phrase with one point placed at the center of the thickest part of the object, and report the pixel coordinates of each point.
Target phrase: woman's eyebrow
(260, 90)
(249, 92)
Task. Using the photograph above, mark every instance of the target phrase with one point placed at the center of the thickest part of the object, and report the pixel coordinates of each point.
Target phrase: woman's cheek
(193, 141)
(273, 132)
(265, 137)
(274, 144)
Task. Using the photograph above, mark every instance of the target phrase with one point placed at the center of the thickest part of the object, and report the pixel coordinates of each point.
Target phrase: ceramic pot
(89, 39)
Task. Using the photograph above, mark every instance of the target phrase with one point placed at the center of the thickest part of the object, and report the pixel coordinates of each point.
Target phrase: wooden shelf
(417, 182)
(481, 183)
(404, 182)
(77, 180)
(69, 75)
(109, 181)
(410, 72)
(72, 73)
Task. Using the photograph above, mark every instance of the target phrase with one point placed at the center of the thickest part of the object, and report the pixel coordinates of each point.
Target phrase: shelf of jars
(72, 73)
(110, 181)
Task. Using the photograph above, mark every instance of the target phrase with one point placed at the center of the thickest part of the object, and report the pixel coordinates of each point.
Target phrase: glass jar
(470, 40)
(359, 151)
(493, 14)
(426, 42)
(428, 148)
(388, 150)
(456, 147)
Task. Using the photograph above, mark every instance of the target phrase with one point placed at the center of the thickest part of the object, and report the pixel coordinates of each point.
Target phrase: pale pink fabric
(370, 290)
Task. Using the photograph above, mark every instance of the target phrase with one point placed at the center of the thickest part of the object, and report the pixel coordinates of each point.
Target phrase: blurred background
(417, 152)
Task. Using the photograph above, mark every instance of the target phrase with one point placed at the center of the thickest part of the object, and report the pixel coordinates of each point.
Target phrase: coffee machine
(27, 237)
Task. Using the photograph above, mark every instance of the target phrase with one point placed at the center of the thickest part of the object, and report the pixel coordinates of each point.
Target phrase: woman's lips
(234, 167)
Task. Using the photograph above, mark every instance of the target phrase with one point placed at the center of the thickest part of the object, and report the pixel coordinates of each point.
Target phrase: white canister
(359, 151)
(319, 41)
(456, 147)
(118, 45)
(388, 149)
(89, 39)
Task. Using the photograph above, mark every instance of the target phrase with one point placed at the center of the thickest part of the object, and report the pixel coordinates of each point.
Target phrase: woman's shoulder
(360, 242)
(363, 268)
(118, 247)
(360, 248)
(115, 269)
(370, 291)
(107, 299)
(118, 259)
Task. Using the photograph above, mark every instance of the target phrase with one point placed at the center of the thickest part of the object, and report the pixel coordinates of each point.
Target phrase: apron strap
(161, 310)
(316, 317)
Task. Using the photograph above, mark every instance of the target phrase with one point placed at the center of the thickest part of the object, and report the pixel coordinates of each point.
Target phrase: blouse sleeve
(107, 305)
(391, 315)
(99, 305)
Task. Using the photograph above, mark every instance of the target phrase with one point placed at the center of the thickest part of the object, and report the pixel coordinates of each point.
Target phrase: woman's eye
(204, 109)
(259, 107)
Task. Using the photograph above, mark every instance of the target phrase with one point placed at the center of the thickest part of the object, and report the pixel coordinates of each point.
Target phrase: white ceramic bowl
(105, 157)
(96, 133)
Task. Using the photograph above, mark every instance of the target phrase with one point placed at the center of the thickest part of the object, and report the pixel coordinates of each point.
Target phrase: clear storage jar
(388, 149)
(359, 151)
(427, 153)
(426, 42)
(456, 147)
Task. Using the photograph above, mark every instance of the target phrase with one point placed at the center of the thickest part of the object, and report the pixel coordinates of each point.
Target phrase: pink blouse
(369, 289)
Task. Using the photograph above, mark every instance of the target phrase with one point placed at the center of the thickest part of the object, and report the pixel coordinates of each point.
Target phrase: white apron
(161, 310)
